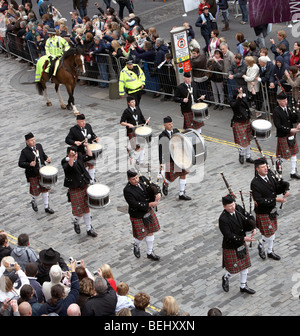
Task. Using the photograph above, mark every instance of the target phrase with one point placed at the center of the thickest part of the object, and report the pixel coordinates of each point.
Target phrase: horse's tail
(40, 88)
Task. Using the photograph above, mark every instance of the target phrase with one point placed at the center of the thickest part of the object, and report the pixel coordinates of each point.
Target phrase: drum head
(199, 106)
(143, 131)
(187, 149)
(261, 125)
(95, 147)
(48, 171)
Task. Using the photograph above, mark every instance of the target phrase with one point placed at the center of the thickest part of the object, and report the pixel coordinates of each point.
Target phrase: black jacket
(283, 121)
(181, 92)
(28, 156)
(240, 108)
(101, 304)
(75, 134)
(264, 193)
(267, 73)
(76, 176)
(234, 230)
(163, 146)
(138, 200)
(132, 118)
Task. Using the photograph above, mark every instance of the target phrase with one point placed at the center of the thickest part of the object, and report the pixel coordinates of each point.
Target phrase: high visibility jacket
(131, 80)
(56, 46)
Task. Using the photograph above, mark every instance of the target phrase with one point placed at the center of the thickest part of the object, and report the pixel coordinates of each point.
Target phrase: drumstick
(146, 122)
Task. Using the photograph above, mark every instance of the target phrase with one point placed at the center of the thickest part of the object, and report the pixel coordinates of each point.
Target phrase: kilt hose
(242, 133)
(79, 201)
(189, 122)
(232, 263)
(284, 150)
(140, 231)
(132, 140)
(266, 226)
(170, 173)
(34, 186)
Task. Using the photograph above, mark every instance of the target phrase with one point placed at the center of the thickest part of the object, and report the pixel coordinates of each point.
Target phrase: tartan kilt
(189, 122)
(232, 263)
(171, 175)
(79, 201)
(140, 231)
(242, 133)
(266, 226)
(284, 150)
(34, 186)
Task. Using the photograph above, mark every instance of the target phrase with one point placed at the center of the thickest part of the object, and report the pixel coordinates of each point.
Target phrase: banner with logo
(273, 11)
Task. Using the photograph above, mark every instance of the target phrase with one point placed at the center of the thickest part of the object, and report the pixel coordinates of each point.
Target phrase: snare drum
(200, 111)
(98, 196)
(144, 132)
(96, 151)
(261, 129)
(187, 148)
(48, 176)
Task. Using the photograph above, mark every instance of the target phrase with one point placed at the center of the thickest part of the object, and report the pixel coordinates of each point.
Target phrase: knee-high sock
(149, 241)
(138, 242)
(248, 152)
(269, 242)
(243, 150)
(293, 164)
(227, 275)
(243, 277)
(77, 219)
(87, 221)
(199, 130)
(182, 183)
(45, 197)
(92, 173)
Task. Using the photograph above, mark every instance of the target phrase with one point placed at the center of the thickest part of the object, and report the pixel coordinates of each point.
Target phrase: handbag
(147, 219)
(291, 141)
(241, 252)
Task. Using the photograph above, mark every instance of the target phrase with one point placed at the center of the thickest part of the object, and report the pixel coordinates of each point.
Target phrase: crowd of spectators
(44, 284)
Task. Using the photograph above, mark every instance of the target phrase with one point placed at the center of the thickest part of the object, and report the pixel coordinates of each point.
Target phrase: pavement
(189, 241)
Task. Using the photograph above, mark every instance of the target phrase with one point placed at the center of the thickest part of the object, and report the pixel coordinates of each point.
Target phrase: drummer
(170, 174)
(76, 136)
(131, 117)
(241, 125)
(77, 180)
(32, 158)
(284, 120)
(188, 94)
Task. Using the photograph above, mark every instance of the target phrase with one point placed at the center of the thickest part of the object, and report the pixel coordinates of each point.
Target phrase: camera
(12, 265)
(71, 259)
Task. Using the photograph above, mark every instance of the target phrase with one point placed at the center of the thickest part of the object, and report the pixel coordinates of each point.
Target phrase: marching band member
(265, 191)
(187, 94)
(32, 158)
(234, 225)
(77, 180)
(165, 158)
(76, 137)
(287, 146)
(143, 219)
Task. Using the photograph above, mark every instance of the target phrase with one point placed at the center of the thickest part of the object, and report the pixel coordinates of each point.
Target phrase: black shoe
(165, 189)
(295, 176)
(49, 211)
(273, 255)
(76, 227)
(261, 252)
(249, 160)
(184, 197)
(225, 283)
(92, 232)
(241, 159)
(247, 290)
(153, 256)
(136, 251)
(216, 107)
(34, 206)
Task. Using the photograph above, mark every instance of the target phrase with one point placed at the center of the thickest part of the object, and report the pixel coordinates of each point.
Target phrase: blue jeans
(231, 85)
(244, 12)
(102, 68)
(82, 11)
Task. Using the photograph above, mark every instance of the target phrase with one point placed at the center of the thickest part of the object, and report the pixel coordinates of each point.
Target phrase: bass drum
(187, 148)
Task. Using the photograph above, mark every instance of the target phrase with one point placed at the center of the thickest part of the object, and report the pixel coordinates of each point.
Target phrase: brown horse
(70, 66)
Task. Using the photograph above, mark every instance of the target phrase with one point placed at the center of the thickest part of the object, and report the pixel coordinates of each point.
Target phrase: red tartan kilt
(34, 187)
(242, 133)
(171, 175)
(140, 231)
(266, 226)
(284, 150)
(189, 122)
(79, 201)
(232, 263)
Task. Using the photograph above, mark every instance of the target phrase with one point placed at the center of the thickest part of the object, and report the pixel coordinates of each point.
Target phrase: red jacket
(201, 7)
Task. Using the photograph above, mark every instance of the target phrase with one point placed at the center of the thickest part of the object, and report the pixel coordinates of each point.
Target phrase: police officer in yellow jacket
(132, 81)
(55, 47)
